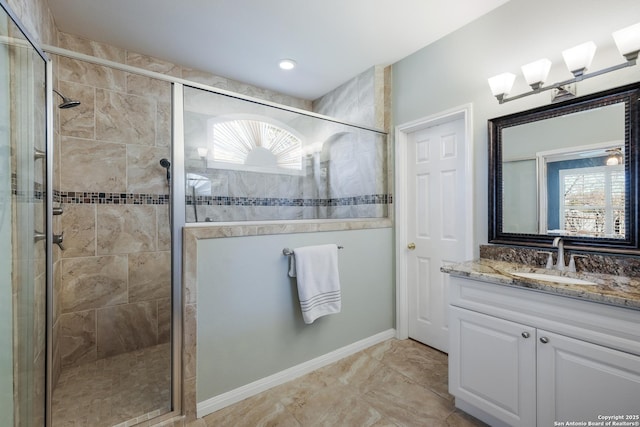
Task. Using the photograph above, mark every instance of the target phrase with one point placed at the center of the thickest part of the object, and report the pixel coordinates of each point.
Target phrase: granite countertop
(610, 289)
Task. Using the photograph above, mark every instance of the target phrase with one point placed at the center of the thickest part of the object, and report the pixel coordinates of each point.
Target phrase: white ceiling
(331, 40)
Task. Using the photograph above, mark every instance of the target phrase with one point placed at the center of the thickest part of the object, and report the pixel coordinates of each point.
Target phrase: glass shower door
(22, 228)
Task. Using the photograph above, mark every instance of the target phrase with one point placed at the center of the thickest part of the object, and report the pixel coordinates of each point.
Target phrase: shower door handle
(39, 154)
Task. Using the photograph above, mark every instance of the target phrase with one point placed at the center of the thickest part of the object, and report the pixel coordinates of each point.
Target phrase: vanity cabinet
(523, 358)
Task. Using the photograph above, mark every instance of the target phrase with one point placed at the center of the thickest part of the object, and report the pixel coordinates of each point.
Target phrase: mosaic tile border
(105, 198)
(109, 198)
(369, 199)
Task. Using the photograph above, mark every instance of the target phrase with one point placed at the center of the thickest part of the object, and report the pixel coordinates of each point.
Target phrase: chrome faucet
(558, 243)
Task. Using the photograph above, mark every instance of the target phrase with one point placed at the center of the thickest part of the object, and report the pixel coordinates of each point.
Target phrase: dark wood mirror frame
(630, 95)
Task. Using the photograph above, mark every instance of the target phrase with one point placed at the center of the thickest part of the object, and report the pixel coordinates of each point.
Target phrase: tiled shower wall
(115, 276)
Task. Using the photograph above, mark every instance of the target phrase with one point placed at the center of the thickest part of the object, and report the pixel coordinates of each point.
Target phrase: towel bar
(287, 251)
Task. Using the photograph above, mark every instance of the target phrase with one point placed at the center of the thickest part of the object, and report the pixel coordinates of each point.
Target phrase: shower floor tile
(114, 390)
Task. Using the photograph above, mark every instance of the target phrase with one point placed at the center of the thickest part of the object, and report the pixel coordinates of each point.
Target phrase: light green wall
(454, 70)
(249, 321)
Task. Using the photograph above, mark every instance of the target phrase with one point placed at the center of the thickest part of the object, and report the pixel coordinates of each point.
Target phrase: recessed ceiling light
(287, 64)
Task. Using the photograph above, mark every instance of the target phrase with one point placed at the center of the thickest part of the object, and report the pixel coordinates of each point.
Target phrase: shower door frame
(48, 217)
(177, 222)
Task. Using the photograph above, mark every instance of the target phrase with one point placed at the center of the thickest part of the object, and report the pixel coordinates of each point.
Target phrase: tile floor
(395, 383)
(119, 390)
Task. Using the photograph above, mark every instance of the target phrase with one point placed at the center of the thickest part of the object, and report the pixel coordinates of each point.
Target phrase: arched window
(255, 144)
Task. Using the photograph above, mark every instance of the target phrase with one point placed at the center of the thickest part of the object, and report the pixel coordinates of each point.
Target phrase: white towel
(316, 271)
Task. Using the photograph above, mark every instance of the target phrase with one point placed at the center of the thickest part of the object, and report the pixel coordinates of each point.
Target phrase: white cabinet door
(492, 366)
(578, 381)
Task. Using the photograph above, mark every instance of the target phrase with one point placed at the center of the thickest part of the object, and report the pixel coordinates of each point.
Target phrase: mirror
(568, 169)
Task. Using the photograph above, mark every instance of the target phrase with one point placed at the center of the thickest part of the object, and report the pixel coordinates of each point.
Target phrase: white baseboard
(229, 398)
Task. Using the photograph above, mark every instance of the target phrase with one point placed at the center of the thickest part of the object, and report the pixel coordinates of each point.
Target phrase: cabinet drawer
(597, 323)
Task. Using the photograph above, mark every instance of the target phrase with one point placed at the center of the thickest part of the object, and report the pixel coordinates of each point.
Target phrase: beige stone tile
(190, 334)
(144, 173)
(149, 276)
(57, 289)
(90, 47)
(126, 229)
(346, 410)
(462, 419)
(79, 226)
(125, 118)
(92, 166)
(77, 338)
(264, 409)
(205, 78)
(128, 388)
(402, 401)
(423, 365)
(93, 282)
(357, 370)
(78, 121)
(86, 73)
(153, 64)
(39, 307)
(164, 320)
(189, 399)
(56, 359)
(126, 327)
(158, 90)
(315, 406)
(200, 422)
(163, 124)
(164, 227)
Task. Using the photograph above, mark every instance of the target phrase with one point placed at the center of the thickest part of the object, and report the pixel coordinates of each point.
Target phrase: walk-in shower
(112, 293)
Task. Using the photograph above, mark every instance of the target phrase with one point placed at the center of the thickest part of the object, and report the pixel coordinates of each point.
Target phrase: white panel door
(581, 381)
(435, 224)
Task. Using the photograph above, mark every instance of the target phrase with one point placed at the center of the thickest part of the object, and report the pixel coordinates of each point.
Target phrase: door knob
(411, 246)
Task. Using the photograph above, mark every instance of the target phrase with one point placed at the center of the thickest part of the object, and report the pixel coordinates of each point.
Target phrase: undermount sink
(553, 278)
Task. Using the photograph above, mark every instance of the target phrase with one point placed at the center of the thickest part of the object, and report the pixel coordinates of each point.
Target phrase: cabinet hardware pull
(544, 340)
(526, 335)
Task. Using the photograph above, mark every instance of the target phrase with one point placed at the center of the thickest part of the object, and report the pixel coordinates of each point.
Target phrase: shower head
(66, 102)
(167, 165)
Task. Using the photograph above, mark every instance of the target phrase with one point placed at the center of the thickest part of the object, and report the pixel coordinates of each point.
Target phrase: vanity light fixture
(287, 64)
(577, 59)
